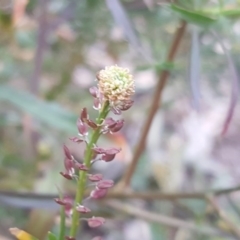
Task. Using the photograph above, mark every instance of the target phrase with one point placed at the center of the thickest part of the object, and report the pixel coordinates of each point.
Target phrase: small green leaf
(216, 12)
(51, 236)
(193, 17)
(164, 66)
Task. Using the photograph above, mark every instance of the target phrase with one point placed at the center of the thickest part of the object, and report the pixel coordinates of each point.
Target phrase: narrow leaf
(21, 235)
(194, 69)
(51, 236)
(121, 18)
(48, 113)
(193, 17)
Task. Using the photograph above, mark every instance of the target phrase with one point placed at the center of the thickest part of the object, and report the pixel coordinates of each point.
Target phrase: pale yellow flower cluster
(116, 84)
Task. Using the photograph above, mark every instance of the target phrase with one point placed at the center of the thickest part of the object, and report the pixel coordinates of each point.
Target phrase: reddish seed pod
(95, 177)
(67, 152)
(66, 175)
(84, 115)
(91, 124)
(98, 193)
(81, 167)
(118, 126)
(98, 150)
(105, 184)
(126, 105)
(96, 222)
(69, 165)
(94, 91)
(110, 122)
(82, 128)
(82, 209)
(97, 104)
(76, 139)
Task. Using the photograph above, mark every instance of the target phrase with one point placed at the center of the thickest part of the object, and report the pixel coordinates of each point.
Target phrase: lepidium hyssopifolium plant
(113, 93)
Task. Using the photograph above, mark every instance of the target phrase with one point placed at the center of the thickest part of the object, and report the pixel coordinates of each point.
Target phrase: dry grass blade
(121, 18)
(161, 219)
(194, 71)
(234, 85)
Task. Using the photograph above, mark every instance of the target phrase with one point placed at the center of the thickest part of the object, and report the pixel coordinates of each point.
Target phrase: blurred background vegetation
(50, 52)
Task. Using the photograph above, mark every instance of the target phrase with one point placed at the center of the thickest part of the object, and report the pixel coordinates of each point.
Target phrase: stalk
(82, 174)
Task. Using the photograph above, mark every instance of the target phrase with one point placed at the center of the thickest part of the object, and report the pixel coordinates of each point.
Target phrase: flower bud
(116, 85)
(67, 175)
(84, 115)
(81, 167)
(82, 128)
(105, 184)
(67, 152)
(94, 91)
(98, 193)
(95, 177)
(95, 222)
(118, 126)
(82, 209)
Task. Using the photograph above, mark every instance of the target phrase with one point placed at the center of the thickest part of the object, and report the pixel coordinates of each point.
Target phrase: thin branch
(155, 105)
(157, 218)
(234, 229)
(32, 200)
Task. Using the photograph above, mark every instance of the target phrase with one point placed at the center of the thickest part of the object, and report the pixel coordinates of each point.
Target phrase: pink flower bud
(109, 154)
(69, 165)
(116, 111)
(108, 158)
(82, 209)
(97, 104)
(66, 201)
(95, 177)
(94, 91)
(98, 150)
(105, 184)
(96, 222)
(67, 152)
(110, 122)
(126, 105)
(118, 126)
(98, 193)
(82, 128)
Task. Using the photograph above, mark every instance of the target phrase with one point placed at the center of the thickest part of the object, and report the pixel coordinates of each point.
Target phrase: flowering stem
(82, 174)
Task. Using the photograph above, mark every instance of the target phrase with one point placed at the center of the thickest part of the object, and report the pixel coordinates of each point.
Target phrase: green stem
(82, 174)
(62, 224)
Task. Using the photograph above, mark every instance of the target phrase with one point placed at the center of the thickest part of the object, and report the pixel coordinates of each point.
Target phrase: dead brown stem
(154, 106)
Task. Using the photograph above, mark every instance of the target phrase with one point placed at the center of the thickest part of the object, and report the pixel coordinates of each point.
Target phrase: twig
(157, 218)
(154, 106)
(234, 229)
(5, 196)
